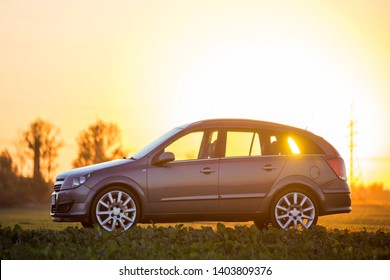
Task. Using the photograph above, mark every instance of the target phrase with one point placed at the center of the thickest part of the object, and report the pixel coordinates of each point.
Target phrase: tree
(7, 171)
(98, 143)
(40, 143)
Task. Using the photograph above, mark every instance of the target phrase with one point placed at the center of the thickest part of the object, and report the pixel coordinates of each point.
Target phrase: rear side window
(242, 144)
(278, 143)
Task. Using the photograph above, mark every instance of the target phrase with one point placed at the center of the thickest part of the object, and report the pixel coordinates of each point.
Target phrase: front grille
(58, 184)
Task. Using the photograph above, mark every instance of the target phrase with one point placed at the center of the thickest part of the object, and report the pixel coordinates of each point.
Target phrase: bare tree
(40, 143)
(98, 143)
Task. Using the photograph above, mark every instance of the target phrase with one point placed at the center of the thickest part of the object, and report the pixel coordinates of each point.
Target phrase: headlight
(77, 181)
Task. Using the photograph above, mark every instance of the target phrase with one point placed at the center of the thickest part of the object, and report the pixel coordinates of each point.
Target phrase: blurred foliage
(179, 242)
(373, 193)
(39, 144)
(37, 153)
(17, 190)
(98, 143)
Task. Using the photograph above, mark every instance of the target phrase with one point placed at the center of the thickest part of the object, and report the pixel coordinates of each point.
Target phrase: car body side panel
(184, 187)
(245, 181)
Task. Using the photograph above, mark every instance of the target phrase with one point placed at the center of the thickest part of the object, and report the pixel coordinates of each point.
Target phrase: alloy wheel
(116, 209)
(295, 210)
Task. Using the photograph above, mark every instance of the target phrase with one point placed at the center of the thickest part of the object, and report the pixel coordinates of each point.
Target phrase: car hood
(92, 168)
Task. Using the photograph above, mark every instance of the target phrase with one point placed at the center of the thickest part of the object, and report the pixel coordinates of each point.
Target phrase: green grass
(363, 234)
(179, 242)
(31, 218)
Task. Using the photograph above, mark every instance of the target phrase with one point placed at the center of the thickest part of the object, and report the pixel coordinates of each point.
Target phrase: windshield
(144, 151)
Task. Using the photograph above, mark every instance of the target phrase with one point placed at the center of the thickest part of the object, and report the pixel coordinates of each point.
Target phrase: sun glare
(293, 146)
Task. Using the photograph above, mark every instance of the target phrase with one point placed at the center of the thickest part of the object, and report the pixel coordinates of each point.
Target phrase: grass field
(362, 218)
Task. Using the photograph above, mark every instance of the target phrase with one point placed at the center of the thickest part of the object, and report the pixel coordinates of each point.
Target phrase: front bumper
(71, 205)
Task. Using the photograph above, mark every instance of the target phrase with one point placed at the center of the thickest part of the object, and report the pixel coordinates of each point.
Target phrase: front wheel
(115, 208)
(295, 209)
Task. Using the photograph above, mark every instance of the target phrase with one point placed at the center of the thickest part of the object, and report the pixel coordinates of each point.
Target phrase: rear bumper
(337, 199)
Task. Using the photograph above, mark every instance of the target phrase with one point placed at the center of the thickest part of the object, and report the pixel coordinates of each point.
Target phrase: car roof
(226, 122)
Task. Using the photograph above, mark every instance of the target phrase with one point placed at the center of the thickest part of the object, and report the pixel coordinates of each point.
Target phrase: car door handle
(268, 167)
(207, 170)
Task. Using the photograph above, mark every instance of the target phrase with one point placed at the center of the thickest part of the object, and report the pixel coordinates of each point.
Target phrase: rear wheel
(115, 208)
(295, 209)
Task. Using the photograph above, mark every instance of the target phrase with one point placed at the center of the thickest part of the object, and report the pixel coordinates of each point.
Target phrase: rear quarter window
(306, 145)
(280, 143)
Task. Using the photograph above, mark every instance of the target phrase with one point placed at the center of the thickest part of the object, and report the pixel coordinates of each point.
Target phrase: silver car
(211, 170)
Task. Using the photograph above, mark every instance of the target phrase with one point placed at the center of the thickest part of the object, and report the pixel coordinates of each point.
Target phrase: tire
(260, 224)
(294, 208)
(87, 225)
(116, 208)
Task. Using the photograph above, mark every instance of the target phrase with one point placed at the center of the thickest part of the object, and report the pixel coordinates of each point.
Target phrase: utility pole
(353, 178)
(351, 152)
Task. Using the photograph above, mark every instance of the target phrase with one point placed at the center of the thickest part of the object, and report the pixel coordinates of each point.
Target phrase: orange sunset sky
(151, 65)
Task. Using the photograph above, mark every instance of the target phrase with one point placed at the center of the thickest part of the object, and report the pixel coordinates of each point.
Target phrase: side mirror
(164, 158)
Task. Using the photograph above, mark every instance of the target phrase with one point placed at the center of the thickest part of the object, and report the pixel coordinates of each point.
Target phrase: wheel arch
(295, 182)
(124, 182)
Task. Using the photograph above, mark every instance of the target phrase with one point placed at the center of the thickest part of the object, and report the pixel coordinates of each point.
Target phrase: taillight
(338, 166)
